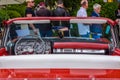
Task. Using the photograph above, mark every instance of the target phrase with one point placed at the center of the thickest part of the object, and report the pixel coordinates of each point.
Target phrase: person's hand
(35, 31)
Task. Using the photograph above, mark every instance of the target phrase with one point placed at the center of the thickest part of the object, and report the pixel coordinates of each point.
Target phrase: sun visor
(88, 21)
(31, 21)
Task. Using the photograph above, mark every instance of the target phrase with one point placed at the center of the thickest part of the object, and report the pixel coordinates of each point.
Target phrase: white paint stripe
(61, 61)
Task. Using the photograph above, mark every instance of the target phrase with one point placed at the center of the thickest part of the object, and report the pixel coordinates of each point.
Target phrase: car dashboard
(48, 45)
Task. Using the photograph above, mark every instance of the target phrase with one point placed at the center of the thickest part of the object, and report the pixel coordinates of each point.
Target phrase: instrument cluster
(33, 47)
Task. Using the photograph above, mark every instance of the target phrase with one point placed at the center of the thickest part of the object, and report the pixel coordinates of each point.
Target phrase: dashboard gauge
(32, 46)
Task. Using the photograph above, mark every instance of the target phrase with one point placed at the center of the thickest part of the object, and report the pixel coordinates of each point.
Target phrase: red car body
(64, 66)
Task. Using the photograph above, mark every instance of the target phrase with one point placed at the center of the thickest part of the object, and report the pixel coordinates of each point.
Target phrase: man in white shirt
(83, 29)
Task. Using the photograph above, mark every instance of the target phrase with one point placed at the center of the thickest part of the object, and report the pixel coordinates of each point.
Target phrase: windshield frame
(47, 20)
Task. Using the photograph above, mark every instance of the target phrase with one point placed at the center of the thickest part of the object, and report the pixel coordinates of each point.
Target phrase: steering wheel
(30, 44)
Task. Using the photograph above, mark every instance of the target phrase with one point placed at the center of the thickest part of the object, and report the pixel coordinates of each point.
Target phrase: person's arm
(31, 25)
(33, 28)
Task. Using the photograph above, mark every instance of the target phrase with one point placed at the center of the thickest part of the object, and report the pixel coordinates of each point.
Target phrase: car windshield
(59, 36)
(63, 29)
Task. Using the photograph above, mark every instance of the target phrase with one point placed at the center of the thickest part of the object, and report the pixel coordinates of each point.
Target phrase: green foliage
(3, 15)
(72, 6)
(108, 10)
(13, 14)
(20, 8)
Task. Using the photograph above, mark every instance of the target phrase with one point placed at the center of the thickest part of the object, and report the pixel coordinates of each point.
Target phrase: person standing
(45, 29)
(60, 10)
(29, 12)
(117, 15)
(82, 11)
(42, 10)
(83, 29)
(96, 29)
(62, 26)
(117, 12)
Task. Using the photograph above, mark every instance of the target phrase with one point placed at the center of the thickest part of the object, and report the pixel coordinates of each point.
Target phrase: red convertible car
(25, 55)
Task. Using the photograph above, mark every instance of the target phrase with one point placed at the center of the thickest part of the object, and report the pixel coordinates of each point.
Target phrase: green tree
(11, 12)
(3, 15)
(18, 8)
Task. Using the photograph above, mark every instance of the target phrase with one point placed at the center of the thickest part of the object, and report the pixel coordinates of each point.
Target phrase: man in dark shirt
(29, 12)
(42, 10)
(60, 11)
(45, 29)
